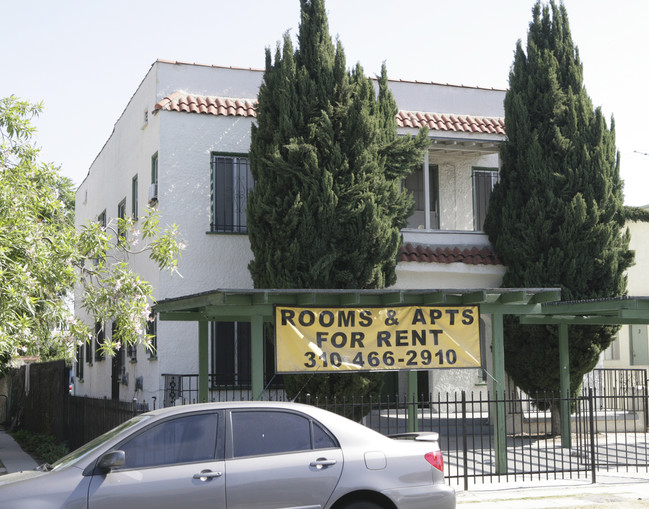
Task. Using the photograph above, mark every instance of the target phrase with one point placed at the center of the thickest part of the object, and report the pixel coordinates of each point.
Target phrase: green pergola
(257, 307)
(531, 305)
(614, 311)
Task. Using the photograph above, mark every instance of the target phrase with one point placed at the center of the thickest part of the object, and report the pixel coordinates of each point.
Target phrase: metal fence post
(412, 401)
(465, 452)
(592, 435)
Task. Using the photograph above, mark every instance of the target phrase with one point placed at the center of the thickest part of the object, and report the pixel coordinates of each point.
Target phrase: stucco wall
(127, 153)
(638, 286)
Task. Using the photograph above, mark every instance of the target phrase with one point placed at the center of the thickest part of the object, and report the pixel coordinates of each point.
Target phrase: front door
(639, 345)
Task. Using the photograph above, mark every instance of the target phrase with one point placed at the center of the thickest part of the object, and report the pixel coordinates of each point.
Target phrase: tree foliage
(328, 203)
(43, 257)
(556, 218)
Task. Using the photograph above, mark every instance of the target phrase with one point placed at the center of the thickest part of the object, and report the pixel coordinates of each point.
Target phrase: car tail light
(436, 459)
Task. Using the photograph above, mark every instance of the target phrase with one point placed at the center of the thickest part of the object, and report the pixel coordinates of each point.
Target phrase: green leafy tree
(556, 218)
(43, 257)
(328, 203)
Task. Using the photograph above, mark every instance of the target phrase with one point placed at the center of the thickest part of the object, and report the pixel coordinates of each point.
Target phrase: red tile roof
(219, 106)
(223, 106)
(429, 254)
(447, 122)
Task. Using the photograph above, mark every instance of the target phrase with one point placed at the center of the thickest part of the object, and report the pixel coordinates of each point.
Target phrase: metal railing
(182, 389)
(608, 425)
(600, 438)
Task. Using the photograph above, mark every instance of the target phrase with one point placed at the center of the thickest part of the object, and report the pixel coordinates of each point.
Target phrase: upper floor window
(423, 183)
(134, 199)
(154, 168)
(101, 219)
(231, 181)
(484, 180)
(121, 225)
(153, 190)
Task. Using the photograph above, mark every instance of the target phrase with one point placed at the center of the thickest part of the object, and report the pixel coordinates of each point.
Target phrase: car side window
(322, 439)
(269, 432)
(185, 439)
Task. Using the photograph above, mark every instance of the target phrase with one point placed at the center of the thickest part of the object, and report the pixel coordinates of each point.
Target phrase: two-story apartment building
(181, 145)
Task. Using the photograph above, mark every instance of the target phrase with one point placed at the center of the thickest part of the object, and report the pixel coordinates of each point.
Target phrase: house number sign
(323, 339)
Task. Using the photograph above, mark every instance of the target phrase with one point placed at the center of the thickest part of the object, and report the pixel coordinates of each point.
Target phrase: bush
(43, 448)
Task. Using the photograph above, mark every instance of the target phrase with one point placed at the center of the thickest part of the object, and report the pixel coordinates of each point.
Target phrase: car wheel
(362, 504)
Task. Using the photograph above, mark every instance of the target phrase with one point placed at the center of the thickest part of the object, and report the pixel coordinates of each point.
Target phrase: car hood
(20, 476)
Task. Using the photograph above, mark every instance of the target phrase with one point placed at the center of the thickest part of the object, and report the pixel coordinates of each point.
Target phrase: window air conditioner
(153, 193)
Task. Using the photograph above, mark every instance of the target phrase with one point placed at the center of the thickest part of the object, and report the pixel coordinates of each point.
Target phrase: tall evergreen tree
(556, 218)
(328, 203)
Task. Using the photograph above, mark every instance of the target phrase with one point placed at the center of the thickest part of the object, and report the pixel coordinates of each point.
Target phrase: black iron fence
(601, 437)
(183, 389)
(608, 426)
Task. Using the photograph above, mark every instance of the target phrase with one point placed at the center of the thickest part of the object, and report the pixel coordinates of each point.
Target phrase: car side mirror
(110, 460)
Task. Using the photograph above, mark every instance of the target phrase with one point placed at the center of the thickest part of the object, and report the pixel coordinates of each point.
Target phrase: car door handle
(322, 463)
(207, 475)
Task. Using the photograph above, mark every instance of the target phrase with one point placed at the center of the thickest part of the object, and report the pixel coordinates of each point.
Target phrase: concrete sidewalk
(620, 489)
(12, 457)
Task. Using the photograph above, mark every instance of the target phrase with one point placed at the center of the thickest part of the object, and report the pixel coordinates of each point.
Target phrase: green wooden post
(257, 357)
(564, 384)
(412, 401)
(203, 362)
(498, 390)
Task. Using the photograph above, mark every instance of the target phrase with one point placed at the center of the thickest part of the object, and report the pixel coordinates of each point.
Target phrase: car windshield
(86, 449)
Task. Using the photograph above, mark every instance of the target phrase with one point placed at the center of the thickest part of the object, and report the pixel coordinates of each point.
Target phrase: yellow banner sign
(371, 338)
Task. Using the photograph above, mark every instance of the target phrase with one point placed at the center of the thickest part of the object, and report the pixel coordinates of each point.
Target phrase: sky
(85, 58)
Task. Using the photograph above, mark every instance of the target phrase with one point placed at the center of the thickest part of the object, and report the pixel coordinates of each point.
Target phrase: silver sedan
(241, 455)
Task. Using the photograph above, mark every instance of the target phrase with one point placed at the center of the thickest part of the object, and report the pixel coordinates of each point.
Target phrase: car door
(280, 459)
(171, 464)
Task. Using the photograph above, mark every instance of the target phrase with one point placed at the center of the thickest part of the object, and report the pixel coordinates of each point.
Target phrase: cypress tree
(556, 218)
(328, 204)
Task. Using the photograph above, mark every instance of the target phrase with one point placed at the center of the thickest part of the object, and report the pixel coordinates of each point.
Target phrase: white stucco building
(181, 145)
(631, 347)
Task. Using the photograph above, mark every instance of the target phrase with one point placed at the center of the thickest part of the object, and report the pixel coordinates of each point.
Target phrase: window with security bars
(231, 344)
(231, 180)
(231, 355)
(484, 180)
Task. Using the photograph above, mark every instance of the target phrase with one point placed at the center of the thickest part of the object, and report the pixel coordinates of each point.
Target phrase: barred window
(231, 181)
